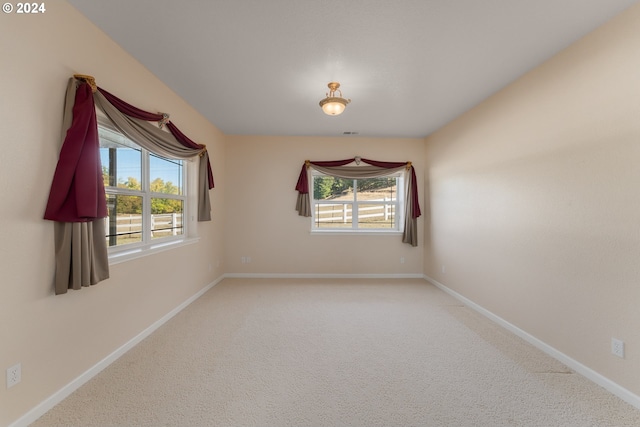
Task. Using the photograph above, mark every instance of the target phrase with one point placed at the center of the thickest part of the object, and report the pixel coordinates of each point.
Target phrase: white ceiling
(260, 67)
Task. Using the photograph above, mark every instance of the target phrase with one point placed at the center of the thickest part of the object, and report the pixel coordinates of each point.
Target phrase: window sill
(356, 233)
(143, 251)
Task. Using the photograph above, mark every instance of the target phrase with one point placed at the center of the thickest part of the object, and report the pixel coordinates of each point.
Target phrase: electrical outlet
(444, 269)
(14, 375)
(401, 260)
(617, 347)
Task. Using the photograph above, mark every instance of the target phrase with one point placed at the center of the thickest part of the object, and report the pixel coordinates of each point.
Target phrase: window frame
(399, 204)
(149, 245)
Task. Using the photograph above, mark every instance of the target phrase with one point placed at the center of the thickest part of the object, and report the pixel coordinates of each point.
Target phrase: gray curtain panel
(81, 254)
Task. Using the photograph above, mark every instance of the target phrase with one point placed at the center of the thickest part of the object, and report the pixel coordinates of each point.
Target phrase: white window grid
(106, 130)
(395, 207)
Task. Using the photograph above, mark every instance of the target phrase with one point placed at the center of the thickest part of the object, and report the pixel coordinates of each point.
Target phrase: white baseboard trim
(65, 391)
(616, 389)
(322, 276)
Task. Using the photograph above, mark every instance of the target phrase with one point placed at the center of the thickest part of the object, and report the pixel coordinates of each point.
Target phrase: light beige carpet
(336, 353)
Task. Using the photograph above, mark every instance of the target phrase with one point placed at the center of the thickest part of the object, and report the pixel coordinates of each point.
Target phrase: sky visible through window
(129, 160)
(129, 166)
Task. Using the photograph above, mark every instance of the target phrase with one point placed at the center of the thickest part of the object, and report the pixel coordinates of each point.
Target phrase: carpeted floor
(336, 353)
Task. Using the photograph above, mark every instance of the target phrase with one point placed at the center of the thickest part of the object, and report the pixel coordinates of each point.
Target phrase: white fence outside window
(162, 225)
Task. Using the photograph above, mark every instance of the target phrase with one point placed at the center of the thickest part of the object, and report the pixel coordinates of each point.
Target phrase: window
(146, 198)
(370, 204)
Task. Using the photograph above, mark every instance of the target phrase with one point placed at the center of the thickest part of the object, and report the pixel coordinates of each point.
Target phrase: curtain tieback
(164, 120)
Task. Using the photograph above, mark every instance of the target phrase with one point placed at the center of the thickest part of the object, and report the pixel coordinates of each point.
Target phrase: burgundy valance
(303, 180)
(136, 113)
(129, 109)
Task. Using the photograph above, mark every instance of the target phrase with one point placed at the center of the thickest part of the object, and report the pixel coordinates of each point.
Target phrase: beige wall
(262, 222)
(57, 338)
(535, 201)
(531, 204)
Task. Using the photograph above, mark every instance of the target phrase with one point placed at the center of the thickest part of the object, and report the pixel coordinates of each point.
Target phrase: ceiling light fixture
(332, 104)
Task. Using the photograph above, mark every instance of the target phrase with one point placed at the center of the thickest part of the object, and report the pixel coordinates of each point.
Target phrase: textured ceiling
(260, 67)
